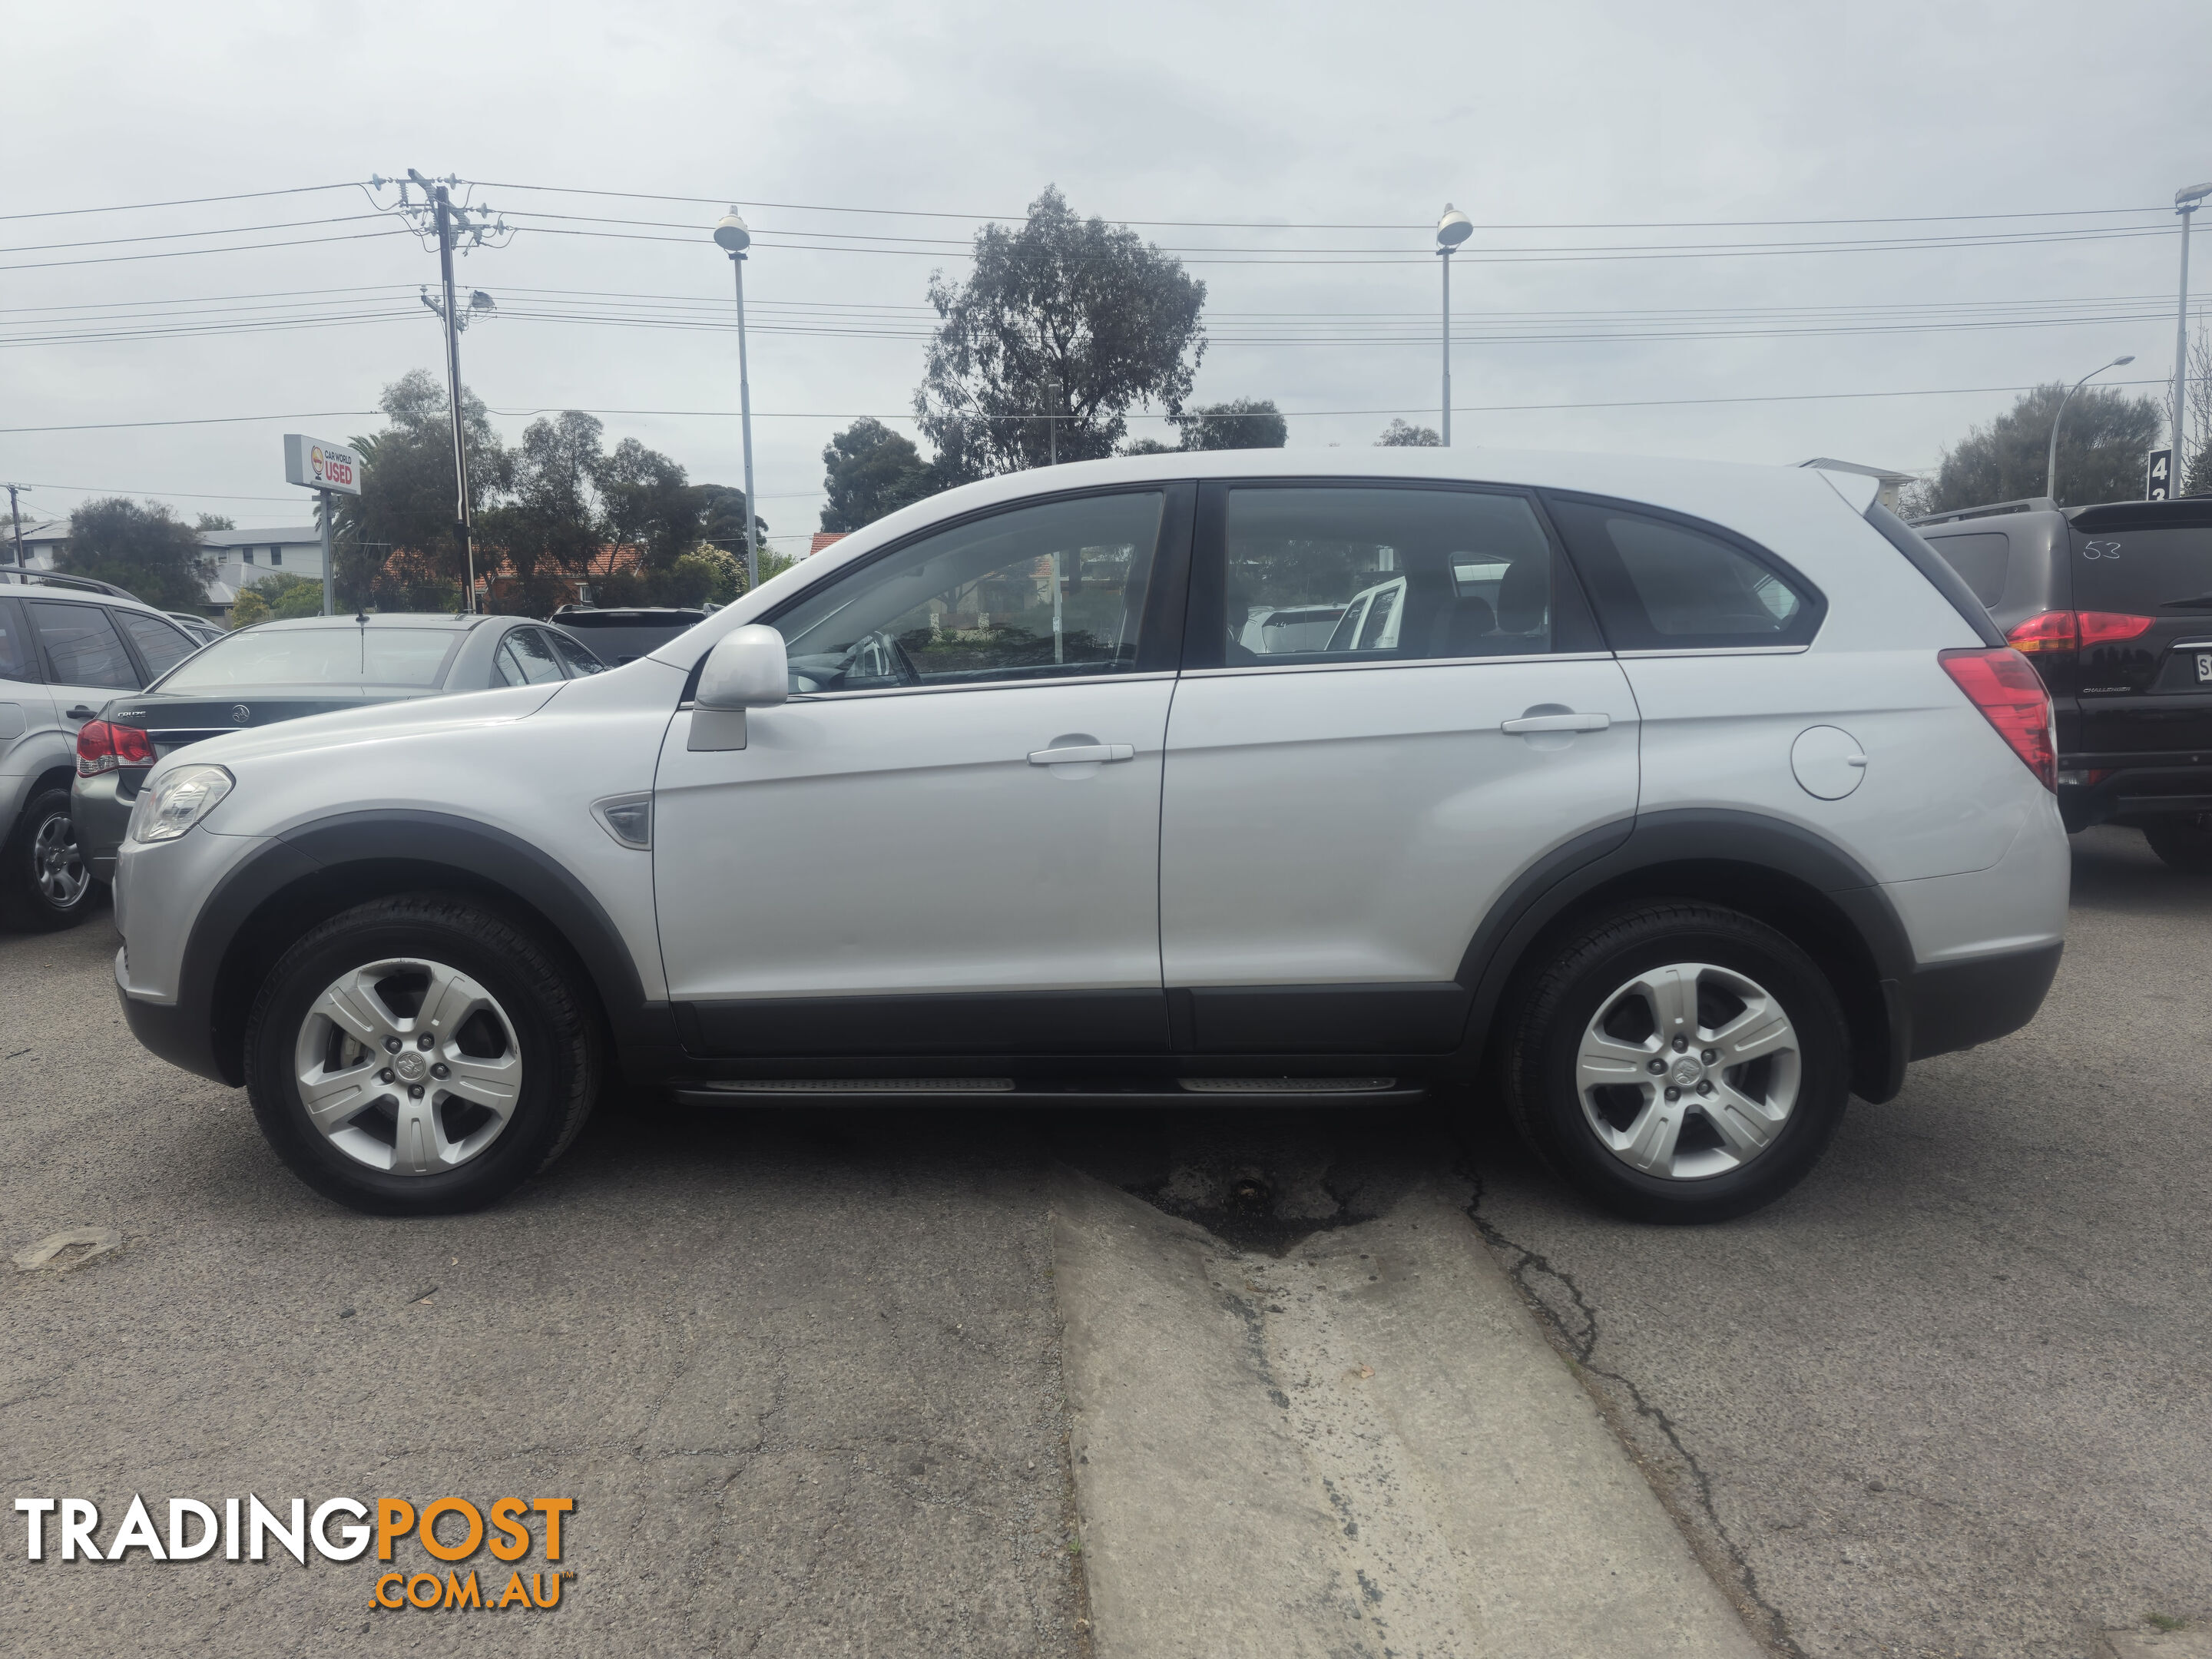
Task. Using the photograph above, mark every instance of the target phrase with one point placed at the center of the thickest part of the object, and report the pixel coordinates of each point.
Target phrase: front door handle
(1528, 723)
(1077, 754)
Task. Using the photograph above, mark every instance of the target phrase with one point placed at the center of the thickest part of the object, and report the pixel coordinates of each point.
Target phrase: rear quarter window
(2140, 571)
(1661, 583)
(1981, 560)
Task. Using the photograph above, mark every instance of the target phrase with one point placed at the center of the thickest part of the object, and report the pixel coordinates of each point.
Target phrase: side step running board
(1243, 1090)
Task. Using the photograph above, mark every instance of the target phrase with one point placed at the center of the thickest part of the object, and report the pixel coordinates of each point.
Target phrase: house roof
(286, 537)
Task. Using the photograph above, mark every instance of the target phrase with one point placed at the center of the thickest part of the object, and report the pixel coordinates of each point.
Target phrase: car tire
(2182, 840)
(430, 979)
(1758, 1087)
(45, 884)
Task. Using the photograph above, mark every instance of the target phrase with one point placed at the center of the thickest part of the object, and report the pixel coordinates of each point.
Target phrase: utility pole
(15, 512)
(2185, 203)
(451, 312)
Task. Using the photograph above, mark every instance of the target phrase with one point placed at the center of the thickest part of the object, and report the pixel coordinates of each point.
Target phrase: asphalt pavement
(801, 1370)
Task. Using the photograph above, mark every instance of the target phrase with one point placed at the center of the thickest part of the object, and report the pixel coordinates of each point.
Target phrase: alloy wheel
(1688, 1071)
(57, 865)
(408, 1065)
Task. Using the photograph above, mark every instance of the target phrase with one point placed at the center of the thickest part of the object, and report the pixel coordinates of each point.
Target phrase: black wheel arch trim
(1690, 837)
(407, 842)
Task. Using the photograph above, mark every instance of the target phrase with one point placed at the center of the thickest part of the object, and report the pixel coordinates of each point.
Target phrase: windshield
(318, 656)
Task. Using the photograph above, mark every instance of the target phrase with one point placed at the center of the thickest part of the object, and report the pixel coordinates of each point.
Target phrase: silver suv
(67, 645)
(1672, 803)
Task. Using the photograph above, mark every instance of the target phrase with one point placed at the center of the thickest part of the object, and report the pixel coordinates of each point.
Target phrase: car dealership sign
(317, 464)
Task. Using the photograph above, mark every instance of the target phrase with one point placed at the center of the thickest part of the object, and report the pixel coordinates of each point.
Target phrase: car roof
(390, 619)
(1745, 496)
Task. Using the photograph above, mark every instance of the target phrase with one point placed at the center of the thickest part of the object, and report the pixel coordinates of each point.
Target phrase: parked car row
(73, 752)
(2114, 604)
(1673, 802)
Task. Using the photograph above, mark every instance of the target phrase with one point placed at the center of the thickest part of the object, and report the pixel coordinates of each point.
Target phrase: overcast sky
(1598, 113)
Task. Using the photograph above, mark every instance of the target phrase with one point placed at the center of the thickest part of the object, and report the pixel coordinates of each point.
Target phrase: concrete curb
(1363, 1446)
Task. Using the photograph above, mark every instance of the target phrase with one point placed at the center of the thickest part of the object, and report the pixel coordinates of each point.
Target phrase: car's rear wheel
(419, 1055)
(44, 882)
(2183, 839)
(1679, 1062)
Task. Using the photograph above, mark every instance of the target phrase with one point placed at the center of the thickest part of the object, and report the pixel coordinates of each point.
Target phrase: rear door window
(82, 645)
(163, 645)
(528, 652)
(1663, 584)
(1332, 574)
(1980, 559)
(578, 661)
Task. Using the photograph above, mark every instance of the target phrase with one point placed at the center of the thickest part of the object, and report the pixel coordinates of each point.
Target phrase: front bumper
(101, 815)
(179, 1033)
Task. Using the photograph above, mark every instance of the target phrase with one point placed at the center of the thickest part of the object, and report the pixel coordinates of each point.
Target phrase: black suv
(2113, 603)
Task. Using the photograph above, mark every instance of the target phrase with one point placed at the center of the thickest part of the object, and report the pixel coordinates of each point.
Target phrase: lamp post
(2050, 467)
(732, 236)
(1452, 229)
(2185, 203)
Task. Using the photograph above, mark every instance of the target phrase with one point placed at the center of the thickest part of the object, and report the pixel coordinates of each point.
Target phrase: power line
(1254, 224)
(181, 235)
(182, 252)
(188, 201)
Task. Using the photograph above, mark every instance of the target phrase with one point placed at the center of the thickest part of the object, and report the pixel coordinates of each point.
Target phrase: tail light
(2075, 630)
(2005, 686)
(103, 747)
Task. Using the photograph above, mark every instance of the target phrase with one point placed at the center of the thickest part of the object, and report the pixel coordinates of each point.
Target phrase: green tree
(2101, 447)
(1241, 423)
(247, 608)
(145, 547)
(2196, 476)
(397, 544)
(208, 521)
(869, 471)
(649, 503)
(1147, 447)
(1399, 435)
(288, 595)
(1062, 326)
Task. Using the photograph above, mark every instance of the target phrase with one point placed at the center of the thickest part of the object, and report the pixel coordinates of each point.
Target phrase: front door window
(1051, 591)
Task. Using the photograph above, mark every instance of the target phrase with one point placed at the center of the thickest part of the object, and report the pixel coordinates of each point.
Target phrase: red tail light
(2005, 686)
(101, 747)
(2071, 630)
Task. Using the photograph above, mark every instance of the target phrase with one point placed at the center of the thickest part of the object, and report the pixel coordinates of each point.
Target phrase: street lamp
(2051, 468)
(1452, 229)
(2184, 205)
(734, 238)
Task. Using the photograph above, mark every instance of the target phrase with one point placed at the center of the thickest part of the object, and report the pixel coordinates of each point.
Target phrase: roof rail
(56, 579)
(2027, 504)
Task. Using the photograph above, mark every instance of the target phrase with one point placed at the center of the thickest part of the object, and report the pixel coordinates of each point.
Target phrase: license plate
(2203, 667)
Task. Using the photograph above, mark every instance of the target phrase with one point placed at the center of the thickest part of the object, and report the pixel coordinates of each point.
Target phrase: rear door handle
(1528, 723)
(1079, 753)
(80, 713)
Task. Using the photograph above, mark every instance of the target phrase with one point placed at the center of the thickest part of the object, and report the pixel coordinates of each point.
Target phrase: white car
(1676, 803)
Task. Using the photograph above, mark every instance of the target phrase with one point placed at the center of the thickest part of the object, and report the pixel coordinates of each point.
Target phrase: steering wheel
(902, 665)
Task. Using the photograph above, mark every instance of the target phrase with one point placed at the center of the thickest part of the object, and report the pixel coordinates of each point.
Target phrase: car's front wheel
(419, 1055)
(2183, 839)
(1679, 1062)
(44, 882)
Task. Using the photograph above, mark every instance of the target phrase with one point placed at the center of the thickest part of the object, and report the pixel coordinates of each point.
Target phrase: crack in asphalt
(1579, 1348)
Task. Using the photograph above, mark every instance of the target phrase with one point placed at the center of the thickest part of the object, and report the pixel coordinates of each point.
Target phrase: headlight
(176, 800)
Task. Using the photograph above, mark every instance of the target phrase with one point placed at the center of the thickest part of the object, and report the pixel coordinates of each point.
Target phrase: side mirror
(747, 669)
